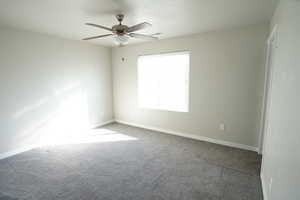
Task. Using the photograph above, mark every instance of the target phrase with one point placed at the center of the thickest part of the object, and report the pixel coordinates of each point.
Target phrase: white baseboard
(192, 136)
(102, 124)
(15, 152)
(171, 132)
(263, 185)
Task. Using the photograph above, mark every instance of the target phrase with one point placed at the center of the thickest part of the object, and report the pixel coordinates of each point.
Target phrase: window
(163, 81)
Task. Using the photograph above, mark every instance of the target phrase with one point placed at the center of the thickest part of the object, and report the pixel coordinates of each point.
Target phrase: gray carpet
(154, 167)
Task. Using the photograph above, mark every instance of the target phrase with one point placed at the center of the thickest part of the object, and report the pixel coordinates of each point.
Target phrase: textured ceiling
(66, 18)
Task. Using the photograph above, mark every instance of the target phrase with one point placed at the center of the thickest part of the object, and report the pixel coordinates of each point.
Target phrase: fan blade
(95, 37)
(99, 26)
(141, 36)
(155, 34)
(138, 27)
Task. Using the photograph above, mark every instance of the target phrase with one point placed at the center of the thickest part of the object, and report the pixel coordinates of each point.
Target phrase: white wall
(226, 84)
(281, 157)
(49, 84)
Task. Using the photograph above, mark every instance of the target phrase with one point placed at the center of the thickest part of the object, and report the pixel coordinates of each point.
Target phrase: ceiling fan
(122, 32)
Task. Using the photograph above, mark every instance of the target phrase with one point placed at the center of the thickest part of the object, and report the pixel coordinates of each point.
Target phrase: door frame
(271, 44)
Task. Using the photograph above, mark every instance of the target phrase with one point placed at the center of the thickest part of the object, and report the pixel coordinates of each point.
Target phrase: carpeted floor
(153, 166)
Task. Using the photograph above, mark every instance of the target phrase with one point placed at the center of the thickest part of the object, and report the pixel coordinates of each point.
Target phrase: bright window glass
(163, 81)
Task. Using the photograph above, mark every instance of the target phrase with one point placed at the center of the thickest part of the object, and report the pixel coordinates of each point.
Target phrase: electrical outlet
(222, 127)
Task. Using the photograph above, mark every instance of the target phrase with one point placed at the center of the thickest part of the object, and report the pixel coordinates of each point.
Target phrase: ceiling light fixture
(121, 40)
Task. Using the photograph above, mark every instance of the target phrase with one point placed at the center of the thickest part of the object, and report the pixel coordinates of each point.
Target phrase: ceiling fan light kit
(121, 40)
(122, 33)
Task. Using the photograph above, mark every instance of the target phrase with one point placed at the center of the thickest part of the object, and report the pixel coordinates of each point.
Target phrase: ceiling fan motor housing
(120, 29)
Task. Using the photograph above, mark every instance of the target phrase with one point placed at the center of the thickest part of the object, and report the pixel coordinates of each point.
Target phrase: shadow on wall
(67, 119)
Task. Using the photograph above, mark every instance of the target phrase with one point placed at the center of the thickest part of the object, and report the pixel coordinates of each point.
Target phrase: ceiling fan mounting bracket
(120, 17)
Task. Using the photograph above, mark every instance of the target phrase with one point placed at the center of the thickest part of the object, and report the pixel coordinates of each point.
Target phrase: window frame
(187, 78)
